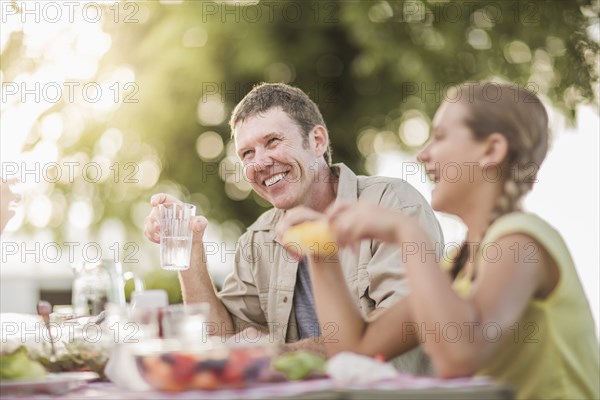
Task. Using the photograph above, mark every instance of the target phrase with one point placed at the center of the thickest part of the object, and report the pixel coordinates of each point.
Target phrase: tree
(370, 65)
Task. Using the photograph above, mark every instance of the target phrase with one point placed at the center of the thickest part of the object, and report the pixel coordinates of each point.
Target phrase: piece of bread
(311, 238)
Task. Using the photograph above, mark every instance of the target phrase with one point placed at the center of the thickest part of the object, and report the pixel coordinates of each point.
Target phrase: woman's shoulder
(520, 222)
(533, 226)
(521, 217)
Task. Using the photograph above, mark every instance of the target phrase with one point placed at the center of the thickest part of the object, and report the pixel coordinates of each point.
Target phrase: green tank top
(552, 351)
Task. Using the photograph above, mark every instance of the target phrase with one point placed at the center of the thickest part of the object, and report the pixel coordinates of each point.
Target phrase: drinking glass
(176, 235)
(127, 324)
(185, 321)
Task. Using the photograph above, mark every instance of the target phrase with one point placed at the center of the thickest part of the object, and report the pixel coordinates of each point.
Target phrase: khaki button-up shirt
(260, 290)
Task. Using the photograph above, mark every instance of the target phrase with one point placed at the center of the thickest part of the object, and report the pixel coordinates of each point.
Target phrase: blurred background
(105, 103)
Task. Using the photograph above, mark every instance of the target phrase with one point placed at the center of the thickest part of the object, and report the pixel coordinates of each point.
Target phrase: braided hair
(519, 115)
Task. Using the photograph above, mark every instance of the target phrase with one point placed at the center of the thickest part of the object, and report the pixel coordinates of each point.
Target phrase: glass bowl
(81, 344)
(169, 365)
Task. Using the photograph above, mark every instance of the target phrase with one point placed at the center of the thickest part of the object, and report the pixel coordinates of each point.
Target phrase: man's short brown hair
(293, 101)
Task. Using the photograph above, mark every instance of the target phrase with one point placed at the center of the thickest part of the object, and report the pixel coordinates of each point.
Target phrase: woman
(509, 305)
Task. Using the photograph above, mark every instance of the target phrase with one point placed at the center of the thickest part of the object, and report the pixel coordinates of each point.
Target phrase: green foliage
(360, 72)
(365, 63)
(159, 279)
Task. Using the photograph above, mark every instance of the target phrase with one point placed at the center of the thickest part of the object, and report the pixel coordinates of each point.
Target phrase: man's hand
(314, 345)
(152, 223)
(249, 336)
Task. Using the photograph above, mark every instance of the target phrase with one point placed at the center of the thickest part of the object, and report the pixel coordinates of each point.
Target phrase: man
(283, 143)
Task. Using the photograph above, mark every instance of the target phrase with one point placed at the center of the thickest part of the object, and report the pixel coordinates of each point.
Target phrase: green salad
(17, 365)
(300, 365)
(79, 356)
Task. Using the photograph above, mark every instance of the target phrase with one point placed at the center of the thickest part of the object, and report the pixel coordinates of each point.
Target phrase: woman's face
(451, 158)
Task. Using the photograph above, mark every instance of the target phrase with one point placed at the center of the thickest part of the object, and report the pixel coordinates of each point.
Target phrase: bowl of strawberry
(166, 365)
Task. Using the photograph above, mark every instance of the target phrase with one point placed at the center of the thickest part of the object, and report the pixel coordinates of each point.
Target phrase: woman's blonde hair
(520, 116)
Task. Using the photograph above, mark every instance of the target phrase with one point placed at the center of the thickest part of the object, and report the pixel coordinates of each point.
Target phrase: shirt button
(285, 299)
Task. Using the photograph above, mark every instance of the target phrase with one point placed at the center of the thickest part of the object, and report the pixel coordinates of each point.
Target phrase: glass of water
(176, 235)
(185, 321)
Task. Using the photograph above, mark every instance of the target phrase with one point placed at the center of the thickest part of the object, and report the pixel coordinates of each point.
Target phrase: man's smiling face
(280, 162)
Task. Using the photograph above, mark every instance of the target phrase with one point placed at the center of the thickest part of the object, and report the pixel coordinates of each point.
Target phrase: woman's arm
(500, 293)
(391, 333)
(335, 306)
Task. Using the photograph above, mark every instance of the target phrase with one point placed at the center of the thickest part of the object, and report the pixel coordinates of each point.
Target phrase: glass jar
(92, 289)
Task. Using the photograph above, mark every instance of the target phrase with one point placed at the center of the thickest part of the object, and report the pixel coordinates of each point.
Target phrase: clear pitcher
(97, 284)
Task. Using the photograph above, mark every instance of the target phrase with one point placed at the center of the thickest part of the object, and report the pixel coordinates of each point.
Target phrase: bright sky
(566, 195)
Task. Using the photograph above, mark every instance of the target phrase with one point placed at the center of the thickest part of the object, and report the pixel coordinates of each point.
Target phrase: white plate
(58, 383)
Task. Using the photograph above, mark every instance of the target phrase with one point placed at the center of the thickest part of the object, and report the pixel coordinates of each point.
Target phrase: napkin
(354, 369)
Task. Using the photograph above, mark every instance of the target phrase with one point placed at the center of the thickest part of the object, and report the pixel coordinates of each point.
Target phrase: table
(405, 387)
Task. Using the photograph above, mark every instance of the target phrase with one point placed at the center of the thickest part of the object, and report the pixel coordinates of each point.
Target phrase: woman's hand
(296, 216)
(352, 222)
(304, 231)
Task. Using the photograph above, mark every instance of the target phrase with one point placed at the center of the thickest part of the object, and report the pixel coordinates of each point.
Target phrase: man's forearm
(197, 287)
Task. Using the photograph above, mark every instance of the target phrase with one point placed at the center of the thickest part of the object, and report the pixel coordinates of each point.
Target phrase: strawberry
(233, 374)
(183, 368)
(205, 380)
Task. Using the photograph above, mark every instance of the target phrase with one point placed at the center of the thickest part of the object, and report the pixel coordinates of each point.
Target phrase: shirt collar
(347, 191)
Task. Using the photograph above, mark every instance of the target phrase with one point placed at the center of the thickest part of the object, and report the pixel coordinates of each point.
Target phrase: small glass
(186, 321)
(132, 324)
(176, 235)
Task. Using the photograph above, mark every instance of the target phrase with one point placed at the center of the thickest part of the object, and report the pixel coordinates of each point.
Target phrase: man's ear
(319, 137)
(495, 150)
